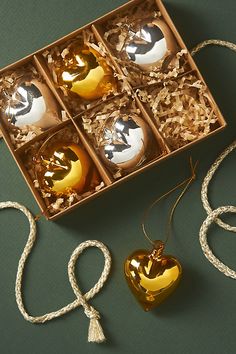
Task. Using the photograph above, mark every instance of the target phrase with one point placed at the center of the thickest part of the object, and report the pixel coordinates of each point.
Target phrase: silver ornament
(150, 44)
(125, 142)
(32, 103)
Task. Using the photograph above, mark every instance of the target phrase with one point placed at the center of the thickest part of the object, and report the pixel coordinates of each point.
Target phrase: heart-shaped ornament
(152, 276)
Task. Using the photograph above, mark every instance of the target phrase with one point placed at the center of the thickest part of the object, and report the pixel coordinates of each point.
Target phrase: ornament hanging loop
(186, 183)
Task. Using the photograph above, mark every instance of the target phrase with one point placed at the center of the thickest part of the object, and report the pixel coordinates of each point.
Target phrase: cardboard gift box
(69, 124)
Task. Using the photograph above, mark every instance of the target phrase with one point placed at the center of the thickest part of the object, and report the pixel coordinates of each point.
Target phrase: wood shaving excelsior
(182, 109)
(118, 33)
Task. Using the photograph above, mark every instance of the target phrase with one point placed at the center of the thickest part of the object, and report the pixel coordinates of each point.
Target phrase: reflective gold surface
(67, 168)
(85, 72)
(152, 276)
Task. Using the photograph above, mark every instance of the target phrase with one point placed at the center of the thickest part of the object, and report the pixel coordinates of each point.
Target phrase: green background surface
(200, 317)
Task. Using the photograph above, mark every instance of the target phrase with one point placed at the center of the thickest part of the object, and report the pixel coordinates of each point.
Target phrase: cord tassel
(95, 332)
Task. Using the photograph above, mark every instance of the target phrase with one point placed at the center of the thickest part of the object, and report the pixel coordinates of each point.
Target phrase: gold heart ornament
(152, 276)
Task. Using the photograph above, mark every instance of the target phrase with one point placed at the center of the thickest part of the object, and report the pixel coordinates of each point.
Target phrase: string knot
(91, 313)
(95, 332)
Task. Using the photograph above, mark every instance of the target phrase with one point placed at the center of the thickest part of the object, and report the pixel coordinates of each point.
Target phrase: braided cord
(213, 215)
(90, 312)
(206, 182)
(217, 42)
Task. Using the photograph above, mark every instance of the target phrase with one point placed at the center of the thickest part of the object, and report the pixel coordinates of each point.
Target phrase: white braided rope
(213, 215)
(95, 330)
(217, 42)
(205, 185)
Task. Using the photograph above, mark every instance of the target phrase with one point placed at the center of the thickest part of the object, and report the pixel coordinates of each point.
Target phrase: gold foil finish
(67, 168)
(85, 73)
(152, 276)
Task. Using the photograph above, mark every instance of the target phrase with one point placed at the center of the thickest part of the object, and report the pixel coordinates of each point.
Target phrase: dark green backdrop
(200, 317)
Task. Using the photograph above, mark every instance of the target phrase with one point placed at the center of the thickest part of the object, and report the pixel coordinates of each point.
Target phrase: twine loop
(206, 182)
(213, 215)
(217, 42)
(95, 333)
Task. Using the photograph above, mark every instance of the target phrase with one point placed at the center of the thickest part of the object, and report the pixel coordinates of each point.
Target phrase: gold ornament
(86, 73)
(67, 168)
(152, 276)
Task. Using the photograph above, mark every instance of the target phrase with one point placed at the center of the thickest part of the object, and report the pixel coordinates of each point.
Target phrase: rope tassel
(95, 333)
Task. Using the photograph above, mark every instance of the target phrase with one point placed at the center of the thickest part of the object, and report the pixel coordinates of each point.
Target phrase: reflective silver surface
(32, 104)
(126, 142)
(147, 46)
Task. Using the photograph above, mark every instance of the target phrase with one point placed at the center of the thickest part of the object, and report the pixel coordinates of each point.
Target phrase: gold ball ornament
(32, 104)
(86, 73)
(67, 168)
(152, 276)
(152, 43)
